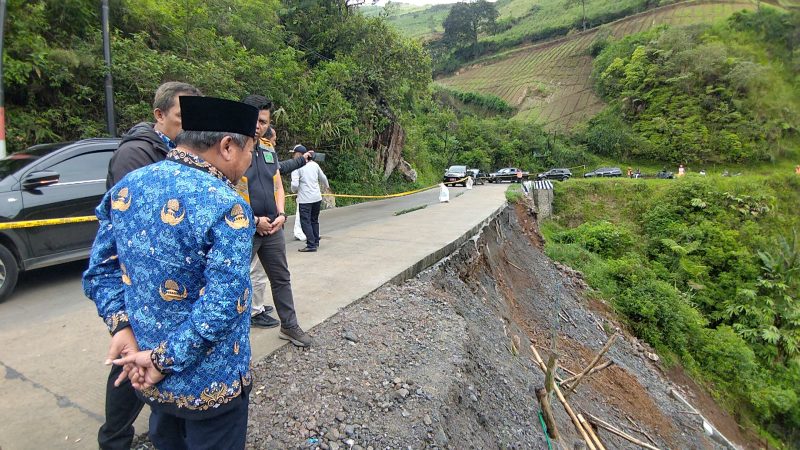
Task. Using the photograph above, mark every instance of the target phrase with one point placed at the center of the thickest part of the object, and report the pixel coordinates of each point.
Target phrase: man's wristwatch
(282, 214)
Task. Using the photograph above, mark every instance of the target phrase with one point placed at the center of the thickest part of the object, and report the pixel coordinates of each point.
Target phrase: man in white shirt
(306, 182)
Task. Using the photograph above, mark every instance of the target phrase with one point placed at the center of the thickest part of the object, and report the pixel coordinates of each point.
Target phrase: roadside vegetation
(707, 271)
(339, 80)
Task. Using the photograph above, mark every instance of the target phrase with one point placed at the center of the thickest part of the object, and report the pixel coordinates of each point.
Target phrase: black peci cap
(217, 114)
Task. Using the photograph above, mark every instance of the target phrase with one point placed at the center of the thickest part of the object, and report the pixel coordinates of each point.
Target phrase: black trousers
(271, 251)
(309, 221)
(226, 431)
(122, 409)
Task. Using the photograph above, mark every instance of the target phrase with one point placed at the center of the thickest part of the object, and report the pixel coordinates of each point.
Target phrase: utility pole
(112, 127)
(2, 91)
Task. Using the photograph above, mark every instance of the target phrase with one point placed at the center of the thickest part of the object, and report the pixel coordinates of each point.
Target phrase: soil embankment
(443, 361)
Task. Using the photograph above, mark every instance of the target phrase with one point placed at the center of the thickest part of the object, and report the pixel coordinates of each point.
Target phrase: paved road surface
(52, 343)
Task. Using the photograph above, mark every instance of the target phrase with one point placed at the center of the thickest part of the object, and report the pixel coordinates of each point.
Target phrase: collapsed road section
(445, 360)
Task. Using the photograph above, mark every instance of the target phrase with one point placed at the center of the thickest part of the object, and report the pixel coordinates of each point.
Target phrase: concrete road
(52, 343)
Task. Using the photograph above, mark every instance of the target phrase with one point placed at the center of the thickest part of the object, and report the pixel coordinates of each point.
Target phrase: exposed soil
(444, 361)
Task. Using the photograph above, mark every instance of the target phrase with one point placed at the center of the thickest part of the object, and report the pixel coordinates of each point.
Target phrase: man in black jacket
(145, 143)
(267, 198)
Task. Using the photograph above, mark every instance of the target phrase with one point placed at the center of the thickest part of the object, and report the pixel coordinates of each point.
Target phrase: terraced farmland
(550, 83)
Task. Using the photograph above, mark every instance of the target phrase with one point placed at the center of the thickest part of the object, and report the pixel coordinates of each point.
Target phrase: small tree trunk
(547, 413)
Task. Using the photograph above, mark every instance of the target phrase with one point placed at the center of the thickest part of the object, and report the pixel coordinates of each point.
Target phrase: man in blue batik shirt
(171, 261)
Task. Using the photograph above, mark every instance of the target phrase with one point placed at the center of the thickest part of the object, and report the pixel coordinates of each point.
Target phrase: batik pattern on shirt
(172, 259)
(167, 141)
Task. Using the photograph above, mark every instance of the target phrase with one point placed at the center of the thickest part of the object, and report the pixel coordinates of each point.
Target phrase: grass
(550, 83)
(514, 193)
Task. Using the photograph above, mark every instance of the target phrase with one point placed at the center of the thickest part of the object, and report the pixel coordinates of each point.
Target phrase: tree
(466, 20)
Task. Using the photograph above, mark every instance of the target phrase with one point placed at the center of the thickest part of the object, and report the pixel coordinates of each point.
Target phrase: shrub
(604, 238)
(661, 316)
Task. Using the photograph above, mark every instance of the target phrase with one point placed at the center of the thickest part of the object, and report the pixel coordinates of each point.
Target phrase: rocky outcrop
(406, 170)
(389, 146)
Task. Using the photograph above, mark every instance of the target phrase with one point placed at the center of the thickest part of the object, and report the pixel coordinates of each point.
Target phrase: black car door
(79, 190)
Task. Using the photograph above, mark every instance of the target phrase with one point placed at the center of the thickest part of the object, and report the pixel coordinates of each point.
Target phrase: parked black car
(555, 174)
(47, 182)
(508, 174)
(604, 172)
(478, 177)
(456, 173)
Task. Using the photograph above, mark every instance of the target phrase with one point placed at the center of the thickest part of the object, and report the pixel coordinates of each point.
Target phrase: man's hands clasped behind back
(136, 365)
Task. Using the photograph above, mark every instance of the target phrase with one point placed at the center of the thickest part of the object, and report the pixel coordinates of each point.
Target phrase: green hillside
(550, 83)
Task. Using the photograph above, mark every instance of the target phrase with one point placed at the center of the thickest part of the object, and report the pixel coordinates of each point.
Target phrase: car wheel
(9, 272)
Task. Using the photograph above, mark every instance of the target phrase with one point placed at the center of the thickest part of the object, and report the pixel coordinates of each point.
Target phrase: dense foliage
(705, 269)
(338, 77)
(723, 94)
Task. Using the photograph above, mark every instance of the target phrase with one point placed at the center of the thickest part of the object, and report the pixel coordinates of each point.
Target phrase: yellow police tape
(43, 222)
(65, 220)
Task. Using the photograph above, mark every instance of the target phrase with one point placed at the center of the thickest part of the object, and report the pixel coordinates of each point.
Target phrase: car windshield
(457, 169)
(19, 160)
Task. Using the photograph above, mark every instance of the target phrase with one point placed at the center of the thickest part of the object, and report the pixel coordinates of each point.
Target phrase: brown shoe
(296, 336)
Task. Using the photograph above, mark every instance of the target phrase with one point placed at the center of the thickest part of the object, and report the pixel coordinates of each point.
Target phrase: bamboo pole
(590, 432)
(594, 370)
(591, 365)
(619, 433)
(563, 401)
(640, 430)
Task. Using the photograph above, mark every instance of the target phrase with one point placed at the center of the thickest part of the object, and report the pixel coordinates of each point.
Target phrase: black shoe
(263, 320)
(307, 249)
(296, 336)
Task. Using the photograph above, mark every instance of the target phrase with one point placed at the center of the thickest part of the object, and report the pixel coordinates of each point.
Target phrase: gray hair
(167, 93)
(203, 140)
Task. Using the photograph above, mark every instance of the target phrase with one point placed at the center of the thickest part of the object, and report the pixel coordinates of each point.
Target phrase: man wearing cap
(144, 144)
(306, 183)
(170, 262)
(267, 198)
